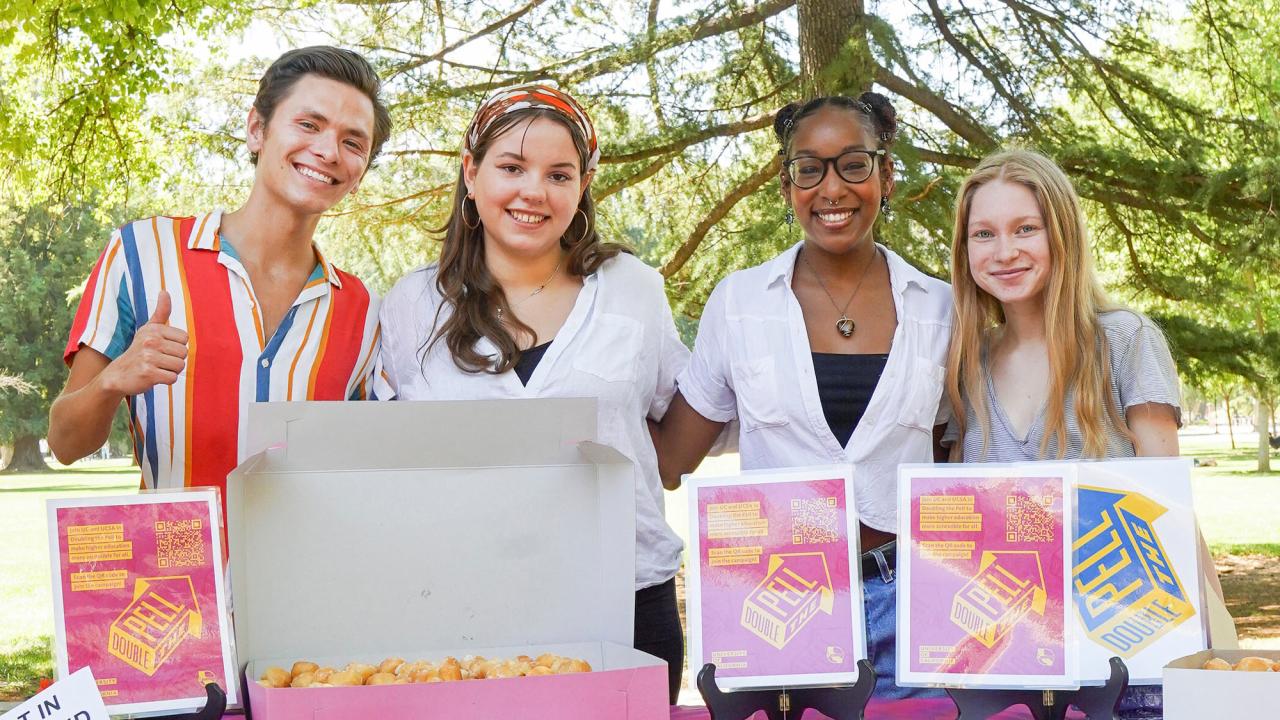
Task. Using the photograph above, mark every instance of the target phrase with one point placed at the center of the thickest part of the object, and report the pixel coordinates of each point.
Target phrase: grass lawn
(1237, 507)
(26, 603)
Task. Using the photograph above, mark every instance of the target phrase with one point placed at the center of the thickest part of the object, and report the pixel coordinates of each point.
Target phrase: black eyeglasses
(854, 166)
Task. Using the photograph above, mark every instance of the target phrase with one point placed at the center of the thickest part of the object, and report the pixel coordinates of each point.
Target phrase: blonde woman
(1042, 364)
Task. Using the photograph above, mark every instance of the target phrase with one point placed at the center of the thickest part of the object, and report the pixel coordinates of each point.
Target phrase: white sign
(72, 698)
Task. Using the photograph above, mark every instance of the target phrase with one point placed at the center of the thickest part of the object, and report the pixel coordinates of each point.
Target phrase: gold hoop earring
(470, 226)
(586, 230)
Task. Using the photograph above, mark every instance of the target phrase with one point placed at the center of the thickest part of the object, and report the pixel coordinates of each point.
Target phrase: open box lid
(395, 528)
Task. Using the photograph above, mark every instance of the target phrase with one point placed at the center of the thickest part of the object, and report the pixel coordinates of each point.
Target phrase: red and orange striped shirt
(191, 433)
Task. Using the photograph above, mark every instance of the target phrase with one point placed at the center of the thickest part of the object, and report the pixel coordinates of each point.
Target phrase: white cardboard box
(1192, 693)
(369, 530)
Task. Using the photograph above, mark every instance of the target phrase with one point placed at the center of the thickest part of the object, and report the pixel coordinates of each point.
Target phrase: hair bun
(783, 121)
(885, 116)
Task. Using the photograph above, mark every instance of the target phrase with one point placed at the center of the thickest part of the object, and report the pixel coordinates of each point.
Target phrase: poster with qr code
(139, 597)
(984, 576)
(774, 596)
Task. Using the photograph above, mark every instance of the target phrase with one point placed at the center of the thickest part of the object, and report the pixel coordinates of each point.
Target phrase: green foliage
(45, 254)
(1164, 116)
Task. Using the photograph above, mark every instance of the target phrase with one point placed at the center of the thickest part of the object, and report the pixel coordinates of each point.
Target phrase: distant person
(527, 301)
(190, 319)
(1042, 364)
(833, 351)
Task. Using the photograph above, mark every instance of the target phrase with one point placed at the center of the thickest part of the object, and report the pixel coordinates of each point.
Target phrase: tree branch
(722, 208)
(693, 138)
(959, 121)
(492, 27)
(681, 34)
(645, 173)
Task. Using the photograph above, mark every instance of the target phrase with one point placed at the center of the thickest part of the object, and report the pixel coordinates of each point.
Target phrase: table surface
(916, 709)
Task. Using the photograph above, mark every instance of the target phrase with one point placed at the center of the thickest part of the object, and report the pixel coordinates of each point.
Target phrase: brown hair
(1077, 345)
(328, 62)
(463, 278)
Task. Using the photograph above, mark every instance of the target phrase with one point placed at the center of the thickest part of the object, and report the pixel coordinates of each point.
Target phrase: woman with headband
(832, 352)
(526, 301)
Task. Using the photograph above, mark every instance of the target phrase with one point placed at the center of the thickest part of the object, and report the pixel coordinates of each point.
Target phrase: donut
(380, 679)
(1254, 664)
(276, 677)
(345, 678)
(303, 666)
(1216, 664)
(305, 679)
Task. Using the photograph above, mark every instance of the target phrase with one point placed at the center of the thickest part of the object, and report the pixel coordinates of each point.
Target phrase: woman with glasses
(832, 352)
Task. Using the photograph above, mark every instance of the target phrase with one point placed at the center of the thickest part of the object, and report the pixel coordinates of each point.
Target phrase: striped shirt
(192, 432)
(1142, 371)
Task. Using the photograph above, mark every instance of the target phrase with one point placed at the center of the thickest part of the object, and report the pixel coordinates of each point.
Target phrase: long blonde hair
(1079, 356)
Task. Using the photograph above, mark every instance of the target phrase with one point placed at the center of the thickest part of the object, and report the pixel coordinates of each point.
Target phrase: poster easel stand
(1098, 703)
(845, 702)
(214, 706)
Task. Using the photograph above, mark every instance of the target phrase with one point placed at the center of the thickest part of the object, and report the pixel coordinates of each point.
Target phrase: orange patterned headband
(520, 97)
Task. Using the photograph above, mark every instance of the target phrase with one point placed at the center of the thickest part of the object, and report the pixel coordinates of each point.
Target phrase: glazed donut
(304, 679)
(1216, 664)
(345, 678)
(276, 677)
(380, 679)
(390, 665)
(302, 666)
(1254, 664)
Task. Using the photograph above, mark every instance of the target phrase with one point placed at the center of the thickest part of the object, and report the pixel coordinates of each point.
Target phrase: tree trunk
(1264, 446)
(26, 456)
(1231, 430)
(834, 55)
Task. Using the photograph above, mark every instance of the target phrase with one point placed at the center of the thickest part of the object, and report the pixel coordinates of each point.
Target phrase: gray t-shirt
(1142, 371)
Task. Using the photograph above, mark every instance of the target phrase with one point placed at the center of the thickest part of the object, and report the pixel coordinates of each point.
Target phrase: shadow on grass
(22, 668)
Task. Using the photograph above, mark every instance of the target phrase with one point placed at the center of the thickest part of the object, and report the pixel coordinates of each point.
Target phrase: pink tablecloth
(929, 709)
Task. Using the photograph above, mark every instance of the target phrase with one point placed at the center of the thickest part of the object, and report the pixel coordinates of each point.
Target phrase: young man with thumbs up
(190, 319)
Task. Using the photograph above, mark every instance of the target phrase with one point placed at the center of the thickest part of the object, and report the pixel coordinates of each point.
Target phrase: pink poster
(138, 598)
(985, 580)
(771, 600)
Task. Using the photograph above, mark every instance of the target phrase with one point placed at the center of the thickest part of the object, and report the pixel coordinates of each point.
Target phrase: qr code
(179, 543)
(1027, 520)
(814, 520)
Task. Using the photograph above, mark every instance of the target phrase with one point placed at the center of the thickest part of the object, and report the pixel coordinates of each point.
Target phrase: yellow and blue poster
(1135, 574)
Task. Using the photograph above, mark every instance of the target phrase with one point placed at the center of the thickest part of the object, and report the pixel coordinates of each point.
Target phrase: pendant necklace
(844, 325)
(536, 290)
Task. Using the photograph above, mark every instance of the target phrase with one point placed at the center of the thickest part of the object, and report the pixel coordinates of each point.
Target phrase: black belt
(871, 566)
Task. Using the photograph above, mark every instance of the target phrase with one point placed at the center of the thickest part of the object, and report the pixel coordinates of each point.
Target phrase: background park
(1164, 114)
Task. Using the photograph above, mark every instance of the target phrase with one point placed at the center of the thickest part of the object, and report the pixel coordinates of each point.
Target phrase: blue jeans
(879, 596)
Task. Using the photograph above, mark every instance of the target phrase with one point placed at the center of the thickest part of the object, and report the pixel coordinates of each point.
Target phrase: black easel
(846, 702)
(215, 705)
(1099, 703)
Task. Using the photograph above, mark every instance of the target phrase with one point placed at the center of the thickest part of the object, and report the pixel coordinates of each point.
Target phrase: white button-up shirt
(619, 345)
(752, 363)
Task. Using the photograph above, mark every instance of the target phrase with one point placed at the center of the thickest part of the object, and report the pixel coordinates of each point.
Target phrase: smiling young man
(190, 319)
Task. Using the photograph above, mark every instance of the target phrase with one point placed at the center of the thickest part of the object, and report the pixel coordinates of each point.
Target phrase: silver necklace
(845, 326)
(536, 290)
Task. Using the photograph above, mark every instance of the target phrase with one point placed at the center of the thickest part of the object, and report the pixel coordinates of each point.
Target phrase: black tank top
(529, 360)
(845, 384)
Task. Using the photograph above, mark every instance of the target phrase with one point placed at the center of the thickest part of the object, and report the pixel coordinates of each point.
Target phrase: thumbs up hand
(156, 356)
